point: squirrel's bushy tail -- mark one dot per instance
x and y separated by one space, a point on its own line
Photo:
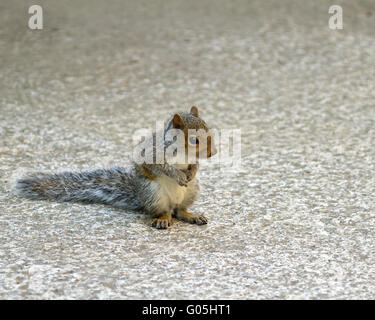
110 186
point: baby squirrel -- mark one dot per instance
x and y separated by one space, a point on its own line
160 189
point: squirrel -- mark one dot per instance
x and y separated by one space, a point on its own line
163 190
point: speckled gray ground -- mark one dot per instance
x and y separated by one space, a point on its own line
296 222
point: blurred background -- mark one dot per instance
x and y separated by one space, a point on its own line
297 221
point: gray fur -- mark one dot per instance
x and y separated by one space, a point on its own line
128 188
114 186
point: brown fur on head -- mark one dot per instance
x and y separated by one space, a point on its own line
204 145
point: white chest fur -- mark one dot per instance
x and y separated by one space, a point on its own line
170 193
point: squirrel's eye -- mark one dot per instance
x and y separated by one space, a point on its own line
193 140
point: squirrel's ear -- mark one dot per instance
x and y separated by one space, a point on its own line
178 122
194 111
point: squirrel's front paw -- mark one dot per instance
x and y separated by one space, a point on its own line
182 180
190 175
162 222
191 171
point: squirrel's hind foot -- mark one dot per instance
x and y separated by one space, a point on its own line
162 222
190 218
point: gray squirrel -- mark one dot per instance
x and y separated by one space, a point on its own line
164 190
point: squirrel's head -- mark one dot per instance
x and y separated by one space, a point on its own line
199 141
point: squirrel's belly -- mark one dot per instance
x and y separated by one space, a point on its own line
170 193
